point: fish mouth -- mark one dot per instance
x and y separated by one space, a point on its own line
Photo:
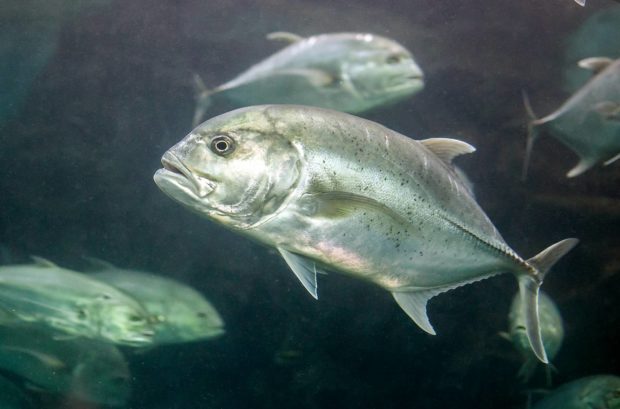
411 82
140 339
175 169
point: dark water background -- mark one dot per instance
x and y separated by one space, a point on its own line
76 169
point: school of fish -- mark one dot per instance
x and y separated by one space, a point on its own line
294 169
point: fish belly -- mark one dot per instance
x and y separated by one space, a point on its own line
396 254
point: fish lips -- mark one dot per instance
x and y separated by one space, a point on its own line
175 176
412 82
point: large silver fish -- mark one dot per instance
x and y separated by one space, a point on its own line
180 313
350 72
592 392
333 191
44 293
588 122
80 368
551 328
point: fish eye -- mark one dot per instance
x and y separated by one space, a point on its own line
222 145
201 314
395 58
135 318
81 314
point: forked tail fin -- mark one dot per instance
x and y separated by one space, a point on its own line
528 290
203 100
532 134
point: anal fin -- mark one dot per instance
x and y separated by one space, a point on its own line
414 301
414 304
304 268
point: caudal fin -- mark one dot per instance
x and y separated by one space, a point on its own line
529 286
203 100
532 134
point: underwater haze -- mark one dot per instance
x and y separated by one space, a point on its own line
95 92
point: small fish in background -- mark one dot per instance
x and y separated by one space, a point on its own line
331 191
551 329
71 302
592 392
350 72
588 122
599 34
83 369
12 397
179 313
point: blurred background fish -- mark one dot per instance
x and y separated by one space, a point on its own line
593 392
80 368
350 72
551 328
72 303
178 312
588 122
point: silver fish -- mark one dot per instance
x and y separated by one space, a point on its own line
592 392
333 191
551 328
180 313
85 369
44 293
588 122
350 72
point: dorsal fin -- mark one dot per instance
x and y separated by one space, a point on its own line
290 38
447 149
99 264
43 262
595 64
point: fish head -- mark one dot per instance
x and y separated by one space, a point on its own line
381 70
124 323
236 169
193 321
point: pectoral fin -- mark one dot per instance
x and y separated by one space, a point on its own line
284 36
304 268
609 110
334 205
612 160
315 77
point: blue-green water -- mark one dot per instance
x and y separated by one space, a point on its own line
88 127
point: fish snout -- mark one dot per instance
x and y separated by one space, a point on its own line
175 168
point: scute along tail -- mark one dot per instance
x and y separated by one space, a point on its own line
203 100
529 286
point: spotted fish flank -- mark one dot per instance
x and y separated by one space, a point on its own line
335 192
